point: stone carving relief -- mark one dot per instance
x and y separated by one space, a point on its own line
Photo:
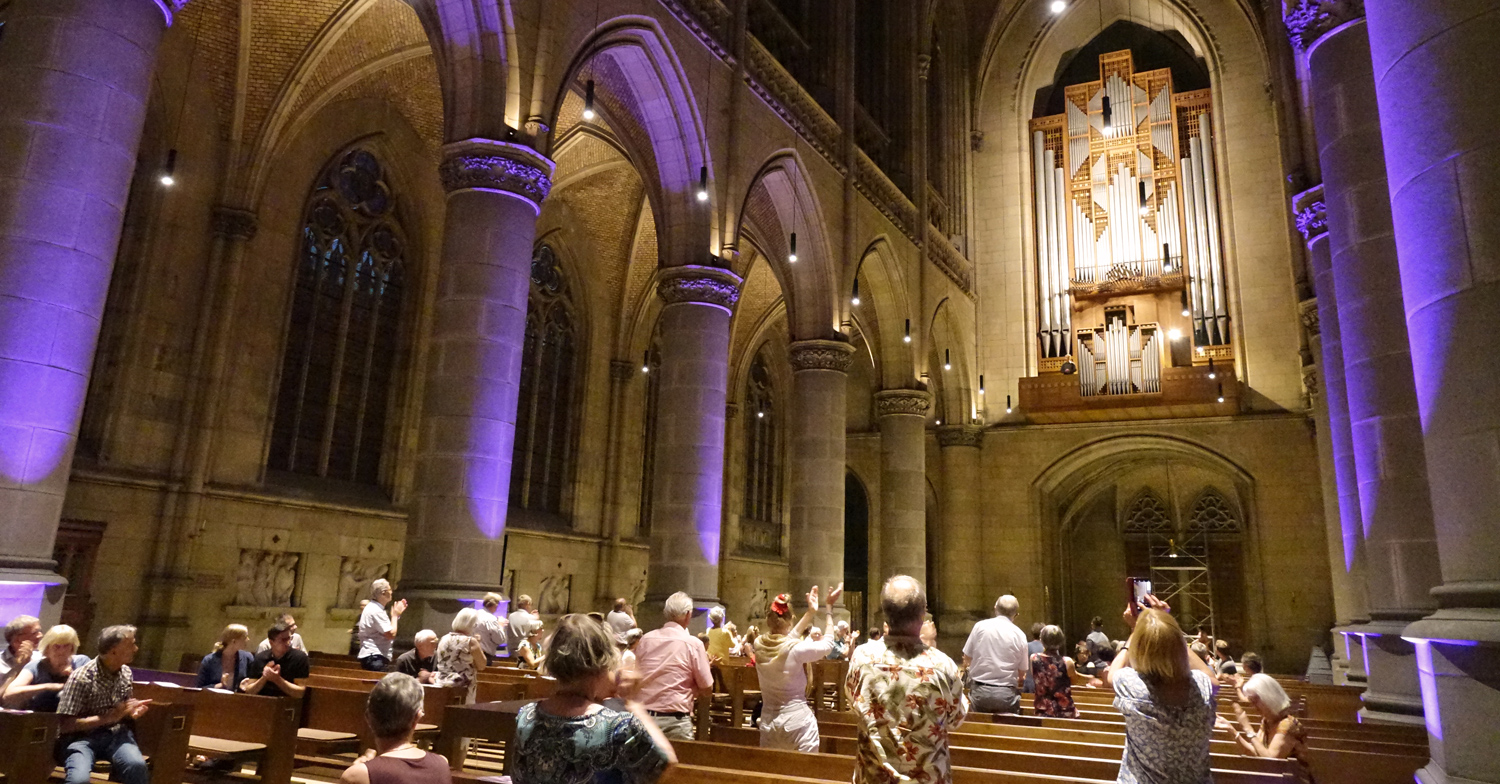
1312 213
902 402
1147 515
1212 513
496 166
266 578
355 576
1309 20
709 285
555 596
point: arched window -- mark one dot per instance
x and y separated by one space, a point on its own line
648 442
545 411
1147 514
1212 514
336 373
760 522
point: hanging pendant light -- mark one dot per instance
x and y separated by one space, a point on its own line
1145 207
1058 6
1221 393
947 365
1212 374
1166 257
854 300
981 385
169 172
1186 312
646 362
588 100
703 183
792 257
906 338
1007 404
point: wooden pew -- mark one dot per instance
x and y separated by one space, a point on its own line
28 739
163 733
241 727
489 721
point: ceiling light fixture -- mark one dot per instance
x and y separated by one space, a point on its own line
588 100
169 174
854 300
792 257
703 183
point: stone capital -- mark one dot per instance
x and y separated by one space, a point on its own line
696 284
496 167
960 435
1310 382
1308 310
902 402
169 8
234 224
820 355
1312 214
1309 20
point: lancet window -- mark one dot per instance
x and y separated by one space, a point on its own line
648 443
543 457
760 522
333 404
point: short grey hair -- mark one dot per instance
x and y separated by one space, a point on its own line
427 635
1265 688
114 635
1007 606
463 623
18 624
903 603
677 605
394 705
379 587
717 616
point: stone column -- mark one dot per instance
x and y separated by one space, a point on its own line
74 80
1395 505
455 538
816 449
688 487
1438 114
959 585
902 416
1312 221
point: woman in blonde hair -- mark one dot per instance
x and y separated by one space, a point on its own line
38 686
1167 697
229 663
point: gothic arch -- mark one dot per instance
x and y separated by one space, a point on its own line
883 312
780 201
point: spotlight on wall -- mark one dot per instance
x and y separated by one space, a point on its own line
703 183
1221 393
588 100
1212 374
1174 334
1058 6
646 362
1109 114
792 256
169 172
907 337
854 300
947 364
1007 404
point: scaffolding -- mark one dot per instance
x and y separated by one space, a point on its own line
1180 576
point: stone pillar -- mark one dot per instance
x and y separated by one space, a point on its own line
959 585
816 449
688 487
1395 505
455 538
1439 108
1312 221
74 80
902 415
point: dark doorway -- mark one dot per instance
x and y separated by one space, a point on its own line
856 551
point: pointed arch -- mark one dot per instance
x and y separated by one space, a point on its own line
780 201
883 312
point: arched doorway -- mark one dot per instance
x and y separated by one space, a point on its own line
856 551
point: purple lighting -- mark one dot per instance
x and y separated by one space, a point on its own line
1428 679
21 599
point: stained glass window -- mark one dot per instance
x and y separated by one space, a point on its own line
760 522
545 418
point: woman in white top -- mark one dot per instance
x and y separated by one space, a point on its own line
377 630
782 656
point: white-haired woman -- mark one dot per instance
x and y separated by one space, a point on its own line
1281 734
786 719
37 686
720 639
460 655
377 629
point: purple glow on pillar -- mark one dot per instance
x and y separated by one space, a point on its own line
1428 679
487 463
166 10
536 208
21 599
40 407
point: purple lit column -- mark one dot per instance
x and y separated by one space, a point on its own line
688 483
903 482
819 381
958 586
1434 62
454 540
1312 221
74 80
1401 557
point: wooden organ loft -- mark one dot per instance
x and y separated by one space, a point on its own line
1133 310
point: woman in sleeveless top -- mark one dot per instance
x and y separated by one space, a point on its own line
40 683
1281 734
393 711
1053 675
460 656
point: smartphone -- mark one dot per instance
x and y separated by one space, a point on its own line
1139 588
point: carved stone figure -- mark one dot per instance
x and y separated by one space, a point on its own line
355 576
265 578
556 593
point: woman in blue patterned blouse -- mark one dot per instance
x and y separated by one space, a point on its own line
591 731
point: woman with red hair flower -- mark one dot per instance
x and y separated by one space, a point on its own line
786 720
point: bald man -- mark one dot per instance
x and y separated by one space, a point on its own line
996 660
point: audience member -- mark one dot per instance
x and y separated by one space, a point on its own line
1222 661
928 634
1249 665
229 662
377 630
1167 697
39 683
1281 734
490 628
1053 674
97 708
995 659
418 662
843 640
720 639
393 711
22 634
622 617
459 659
786 720
1200 650
522 623
626 643
529 650
674 669
276 670
1097 640
575 735
290 622
1033 648
815 634
907 696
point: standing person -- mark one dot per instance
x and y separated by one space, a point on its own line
1281 734
996 660
459 657
96 705
907 696
39 683
622 618
529 651
393 711
575 735
22 634
1097 640
490 628
229 662
1033 648
290 622
276 670
674 669
522 623
1223 662
1167 697
418 662
1053 674
781 659
377 630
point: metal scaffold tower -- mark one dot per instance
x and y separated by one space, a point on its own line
1180 576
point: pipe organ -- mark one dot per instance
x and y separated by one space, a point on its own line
1128 241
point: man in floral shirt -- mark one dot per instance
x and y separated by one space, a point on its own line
908 696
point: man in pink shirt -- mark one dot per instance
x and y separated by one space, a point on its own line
673 665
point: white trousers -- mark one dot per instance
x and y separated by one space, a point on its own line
793 727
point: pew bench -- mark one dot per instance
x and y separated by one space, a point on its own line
243 728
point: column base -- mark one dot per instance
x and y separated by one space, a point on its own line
1393 694
1458 662
32 591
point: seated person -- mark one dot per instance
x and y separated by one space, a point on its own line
291 623
1223 662
276 670
394 708
229 662
529 651
1249 665
1280 734
418 662
38 685
97 707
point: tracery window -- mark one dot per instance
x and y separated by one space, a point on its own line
760 522
543 457
1147 514
337 367
1212 514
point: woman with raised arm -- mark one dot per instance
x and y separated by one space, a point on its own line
786 720
1280 735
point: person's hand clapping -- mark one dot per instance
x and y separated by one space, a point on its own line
833 595
1221 723
272 672
136 708
812 599
627 684
398 608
